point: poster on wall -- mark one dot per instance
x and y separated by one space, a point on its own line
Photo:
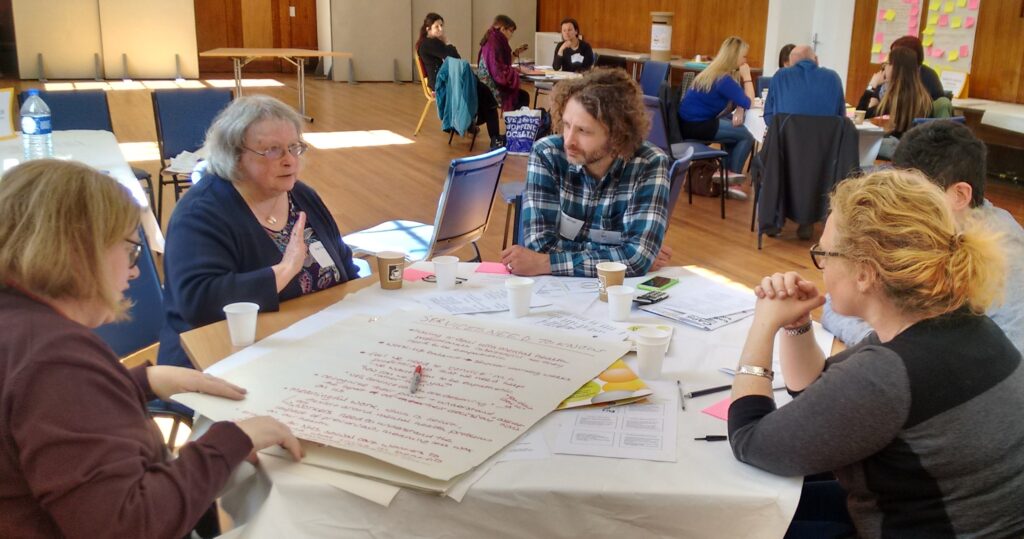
948 36
893 20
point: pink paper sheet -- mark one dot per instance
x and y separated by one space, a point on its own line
414 274
719 409
492 267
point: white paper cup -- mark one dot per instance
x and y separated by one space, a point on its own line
242 322
609 274
446 269
620 301
520 292
651 345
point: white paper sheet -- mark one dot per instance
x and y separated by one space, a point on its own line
530 446
707 299
581 325
375 491
474 302
556 287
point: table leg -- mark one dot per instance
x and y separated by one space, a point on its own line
238 76
300 66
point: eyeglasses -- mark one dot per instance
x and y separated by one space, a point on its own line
277 152
816 252
135 253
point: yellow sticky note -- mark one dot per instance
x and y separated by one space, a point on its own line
890 14
934 5
876 48
933 20
929 31
961 3
928 41
948 8
953 55
955 22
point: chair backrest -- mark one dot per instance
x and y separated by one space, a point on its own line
763 83
676 179
147 312
957 119
653 75
183 116
78 109
688 77
658 135
466 201
424 81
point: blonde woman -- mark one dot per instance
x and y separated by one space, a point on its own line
79 457
725 82
923 422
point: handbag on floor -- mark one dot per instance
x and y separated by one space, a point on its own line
521 128
703 178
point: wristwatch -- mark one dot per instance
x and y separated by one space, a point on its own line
756 371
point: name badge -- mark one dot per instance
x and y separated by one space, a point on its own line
576 58
320 254
569 227
605 237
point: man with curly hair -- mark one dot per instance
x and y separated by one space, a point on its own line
597 192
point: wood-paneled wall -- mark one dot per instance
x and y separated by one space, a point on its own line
699 26
254 23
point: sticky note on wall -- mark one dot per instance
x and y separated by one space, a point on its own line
973 4
944 20
937 52
927 41
948 8
961 3
877 47
890 14
955 22
879 37
964 51
953 56
969 22
934 5
933 19
881 14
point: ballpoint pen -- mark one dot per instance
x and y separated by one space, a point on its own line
707 391
682 398
416 379
714 438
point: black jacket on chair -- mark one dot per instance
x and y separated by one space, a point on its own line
803 158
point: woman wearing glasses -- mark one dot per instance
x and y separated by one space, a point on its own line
79 456
923 422
249 230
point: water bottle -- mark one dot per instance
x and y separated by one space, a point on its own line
35 127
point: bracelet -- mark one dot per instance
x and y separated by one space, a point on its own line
797 331
748 80
756 371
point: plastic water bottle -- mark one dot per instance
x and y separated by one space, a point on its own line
36 127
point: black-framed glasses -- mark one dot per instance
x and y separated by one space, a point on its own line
277 152
817 254
134 253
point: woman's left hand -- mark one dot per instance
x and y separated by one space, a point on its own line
738 116
520 49
786 298
166 381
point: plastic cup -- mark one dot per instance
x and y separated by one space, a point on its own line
446 269
609 274
764 94
858 116
520 292
620 301
651 346
242 322
390 267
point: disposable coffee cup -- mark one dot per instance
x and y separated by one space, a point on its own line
620 301
520 292
609 274
390 267
242 322
446 269
651 346
858 116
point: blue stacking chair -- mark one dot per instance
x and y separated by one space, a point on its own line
462 214
182 118
85 109
957 119
676 178
763 83
658 136
652 76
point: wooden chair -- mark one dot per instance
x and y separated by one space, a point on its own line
428 94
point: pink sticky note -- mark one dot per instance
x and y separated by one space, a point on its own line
912 28
414 274
937 52
492 267
969 22
719 409
879 37
944 20
964 51
881 58
973 4
914 12
913 2
881 14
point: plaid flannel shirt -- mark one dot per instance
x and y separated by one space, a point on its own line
631 199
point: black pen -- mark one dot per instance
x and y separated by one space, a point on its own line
714 438
708 391
682 398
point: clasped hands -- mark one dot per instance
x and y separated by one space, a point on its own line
785 300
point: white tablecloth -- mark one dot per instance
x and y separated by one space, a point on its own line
1008 116
869 143
706 493
99 150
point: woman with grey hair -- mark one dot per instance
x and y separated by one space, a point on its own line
249 230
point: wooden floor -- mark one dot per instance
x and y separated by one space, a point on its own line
366 185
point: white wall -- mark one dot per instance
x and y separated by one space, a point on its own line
150 33
323 31
376 32
789 21
458 24
801 21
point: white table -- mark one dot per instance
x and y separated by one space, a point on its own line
869 141
1008 116
99 150
706 493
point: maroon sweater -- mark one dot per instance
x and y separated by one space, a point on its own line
79 456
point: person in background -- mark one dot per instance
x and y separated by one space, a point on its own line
572 53
929 78
784 60
805 88
905 99
725 82
432 47
598 191
249 230
954 159
923 422
494 65
79 454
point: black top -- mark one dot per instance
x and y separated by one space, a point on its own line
566 62
931 82
432 53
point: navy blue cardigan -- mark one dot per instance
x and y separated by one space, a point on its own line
218 253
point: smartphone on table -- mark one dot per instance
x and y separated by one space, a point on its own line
657 283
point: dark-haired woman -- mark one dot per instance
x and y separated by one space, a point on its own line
572 53
494 65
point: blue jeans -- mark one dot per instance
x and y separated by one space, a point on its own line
737 141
